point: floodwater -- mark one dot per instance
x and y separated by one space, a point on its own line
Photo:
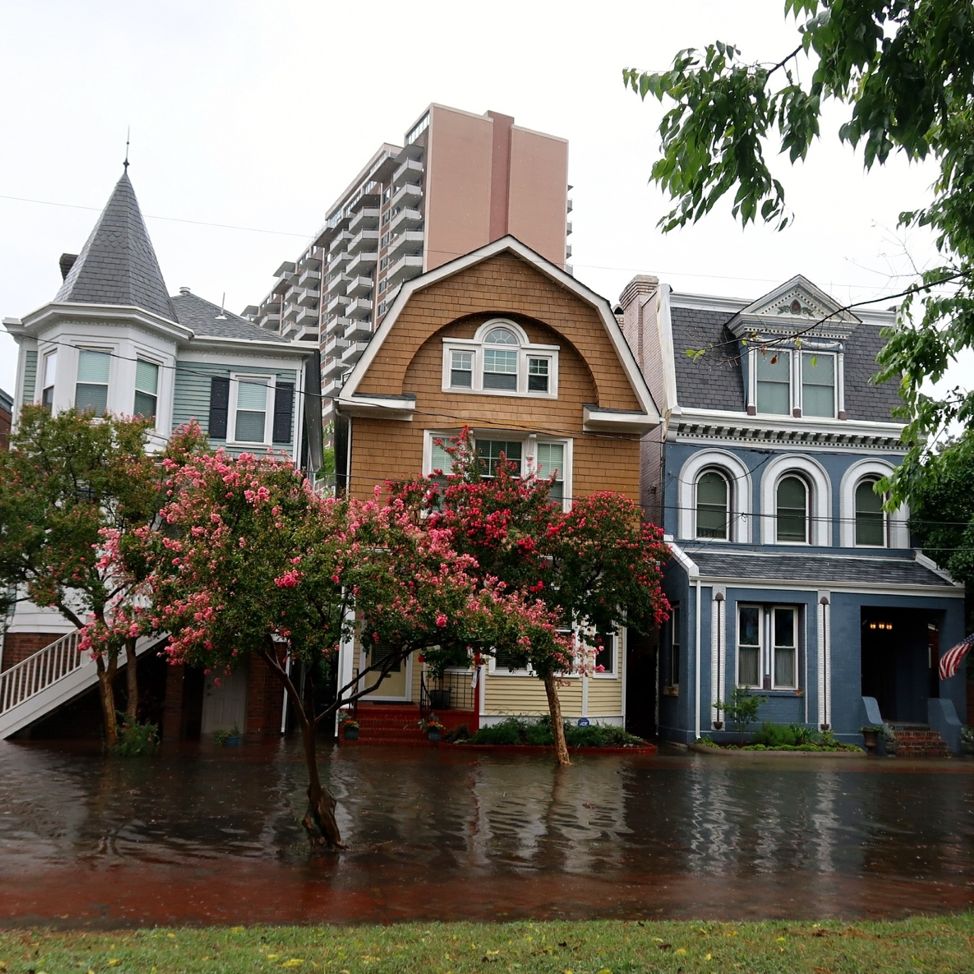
207 835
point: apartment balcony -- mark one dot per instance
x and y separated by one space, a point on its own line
270 320
365 219
309 299
362 263
337 260
357 330
359 287
406 219
334 325
411 169
333 346
331 389
307 317
310 260
293 294
307 334
364 240
336 284
407 242
407 194
353 353
311 277
291 312
336 305
365 200
251 312
360 308
568 251
568 228
569 206
285 270
404 269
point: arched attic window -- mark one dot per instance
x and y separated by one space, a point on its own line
870 517
713 509
791 510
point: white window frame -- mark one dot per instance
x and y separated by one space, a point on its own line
160 365
674 648
526 351
235 379
796 384
46 359
728 505
529 453
767 676
780 353
615 646
111 352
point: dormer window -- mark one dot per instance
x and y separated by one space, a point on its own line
500 361
789 382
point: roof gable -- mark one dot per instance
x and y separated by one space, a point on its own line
795 307
513 247
118 265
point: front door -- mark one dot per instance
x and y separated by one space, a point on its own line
397 683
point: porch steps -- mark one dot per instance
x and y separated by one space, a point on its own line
398 724
919 741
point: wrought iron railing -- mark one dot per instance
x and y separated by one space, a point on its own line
454 690
36 673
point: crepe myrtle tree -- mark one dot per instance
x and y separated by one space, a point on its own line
903 73
254 563
595 568
66 480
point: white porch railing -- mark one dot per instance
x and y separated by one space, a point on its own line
35 674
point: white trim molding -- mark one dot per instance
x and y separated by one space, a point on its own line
819 501
897 528
739 496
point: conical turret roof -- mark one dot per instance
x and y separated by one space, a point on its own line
117 264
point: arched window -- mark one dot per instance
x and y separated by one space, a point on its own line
500 360
870 519
792 510
712 506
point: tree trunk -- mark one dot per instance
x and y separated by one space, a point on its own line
131 683
106 695
319 819
557 725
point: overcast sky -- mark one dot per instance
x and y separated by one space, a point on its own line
248 118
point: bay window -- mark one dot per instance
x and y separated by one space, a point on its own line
91 389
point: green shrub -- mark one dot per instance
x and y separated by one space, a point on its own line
515 730
136 740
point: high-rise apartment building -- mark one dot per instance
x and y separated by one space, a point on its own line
457 182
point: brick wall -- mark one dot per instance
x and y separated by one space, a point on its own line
18 646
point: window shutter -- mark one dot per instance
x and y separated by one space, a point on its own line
219 407
283 408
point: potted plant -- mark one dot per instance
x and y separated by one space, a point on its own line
433 727
888 739
870 736
228 738
967 739
348 725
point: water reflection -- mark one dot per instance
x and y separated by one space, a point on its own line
213 835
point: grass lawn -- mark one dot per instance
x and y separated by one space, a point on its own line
938 944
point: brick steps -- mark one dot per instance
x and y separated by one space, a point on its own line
919 742
398 724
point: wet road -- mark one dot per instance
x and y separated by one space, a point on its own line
211 835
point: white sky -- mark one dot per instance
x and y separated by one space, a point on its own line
257 114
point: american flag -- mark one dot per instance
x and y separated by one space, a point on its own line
951 660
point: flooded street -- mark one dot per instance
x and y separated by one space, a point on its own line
211 835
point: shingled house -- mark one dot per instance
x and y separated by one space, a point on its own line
788 577
113 340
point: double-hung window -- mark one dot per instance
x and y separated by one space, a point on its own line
250 412
500 360
774 382
146 388
48 379
91 390
792 510
546 459
870 518
712 507
818 384
674 647
767 647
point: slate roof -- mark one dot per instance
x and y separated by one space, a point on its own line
117 264
715 381
819 569
208 321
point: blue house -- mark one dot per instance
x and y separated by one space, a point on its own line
787 576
